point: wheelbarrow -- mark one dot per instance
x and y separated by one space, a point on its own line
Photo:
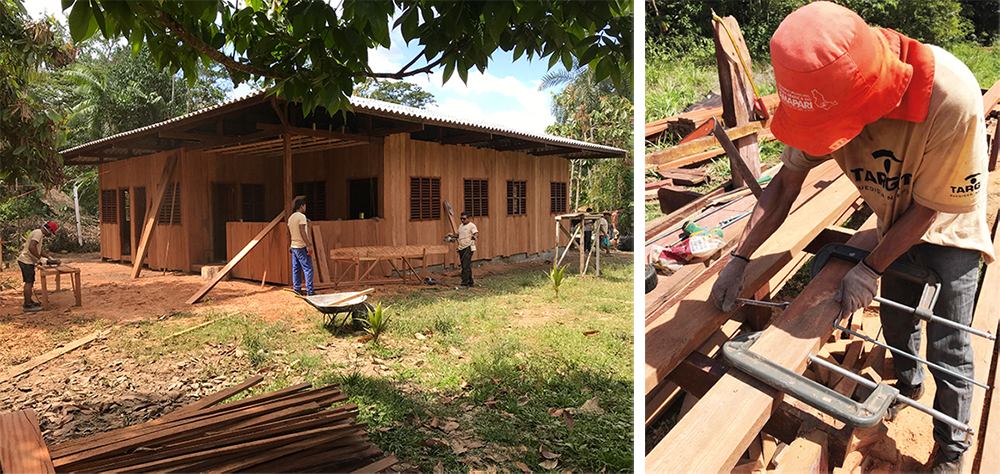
351 304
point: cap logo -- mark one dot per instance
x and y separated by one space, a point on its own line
821 101
795 100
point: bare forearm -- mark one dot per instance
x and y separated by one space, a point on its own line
903 234
768 215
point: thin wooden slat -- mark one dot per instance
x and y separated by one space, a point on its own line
153 212
991 97
742 404
378 466
37 361
22 448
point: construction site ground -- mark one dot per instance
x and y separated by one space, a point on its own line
493 378
909 444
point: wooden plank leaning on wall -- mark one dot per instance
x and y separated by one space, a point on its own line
153 211
243 253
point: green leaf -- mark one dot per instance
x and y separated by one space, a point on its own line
79 20
449 69
99 16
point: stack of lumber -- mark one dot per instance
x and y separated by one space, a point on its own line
289 430
682 124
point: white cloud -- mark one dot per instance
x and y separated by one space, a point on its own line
531 121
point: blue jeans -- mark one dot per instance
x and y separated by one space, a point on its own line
302 261
950 348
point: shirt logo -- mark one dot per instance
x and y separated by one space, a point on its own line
969 187
882 182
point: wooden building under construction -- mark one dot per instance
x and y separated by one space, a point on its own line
374 176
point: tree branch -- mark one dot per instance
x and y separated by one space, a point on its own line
403 73
193 41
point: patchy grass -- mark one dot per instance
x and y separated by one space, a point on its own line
462 378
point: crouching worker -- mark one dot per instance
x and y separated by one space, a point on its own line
31 256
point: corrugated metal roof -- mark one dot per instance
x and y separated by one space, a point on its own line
379 107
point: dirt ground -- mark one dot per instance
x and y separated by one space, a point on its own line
92 390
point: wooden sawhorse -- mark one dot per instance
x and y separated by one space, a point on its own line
58 271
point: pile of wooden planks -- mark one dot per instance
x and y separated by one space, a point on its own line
289 430
682 124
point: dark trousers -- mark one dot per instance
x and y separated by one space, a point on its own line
948 347
465 256
586 240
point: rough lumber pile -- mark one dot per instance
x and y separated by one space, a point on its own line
289 430
682 124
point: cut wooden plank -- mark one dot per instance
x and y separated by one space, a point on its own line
985 359
37 361
232 263
662 157
991 97
660 224
378 466
830 234
806 455
153 212
672 198
731 54
22 448
673 332
192 328
742 404
322 257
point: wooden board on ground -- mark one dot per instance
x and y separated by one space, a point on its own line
35 362
22 448
737 407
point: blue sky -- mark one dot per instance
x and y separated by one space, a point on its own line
507 93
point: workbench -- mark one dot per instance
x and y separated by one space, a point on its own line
352 257
58 272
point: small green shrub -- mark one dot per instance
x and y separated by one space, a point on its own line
556 277
378 322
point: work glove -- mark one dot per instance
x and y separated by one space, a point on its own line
858 288
729 285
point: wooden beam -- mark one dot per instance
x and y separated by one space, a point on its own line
521 146
662 157
22 448
737 407
984 352
660 224
232 263
286 182
153 211
995 148
737 93
674 331
407 128
806 455
315 133
467 137
179 135
555 151
220 145
991 97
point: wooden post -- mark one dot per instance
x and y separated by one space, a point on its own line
147 228
995 150
580 245
287 174
737 93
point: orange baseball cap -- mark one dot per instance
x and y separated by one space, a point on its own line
834 75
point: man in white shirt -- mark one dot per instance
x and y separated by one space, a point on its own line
30 256
300 249
468 233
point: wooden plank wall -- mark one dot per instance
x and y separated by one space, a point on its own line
393 160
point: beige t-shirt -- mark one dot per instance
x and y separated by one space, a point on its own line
296 219
26 256
940 163
465 233
602 228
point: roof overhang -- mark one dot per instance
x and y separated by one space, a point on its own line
254 126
